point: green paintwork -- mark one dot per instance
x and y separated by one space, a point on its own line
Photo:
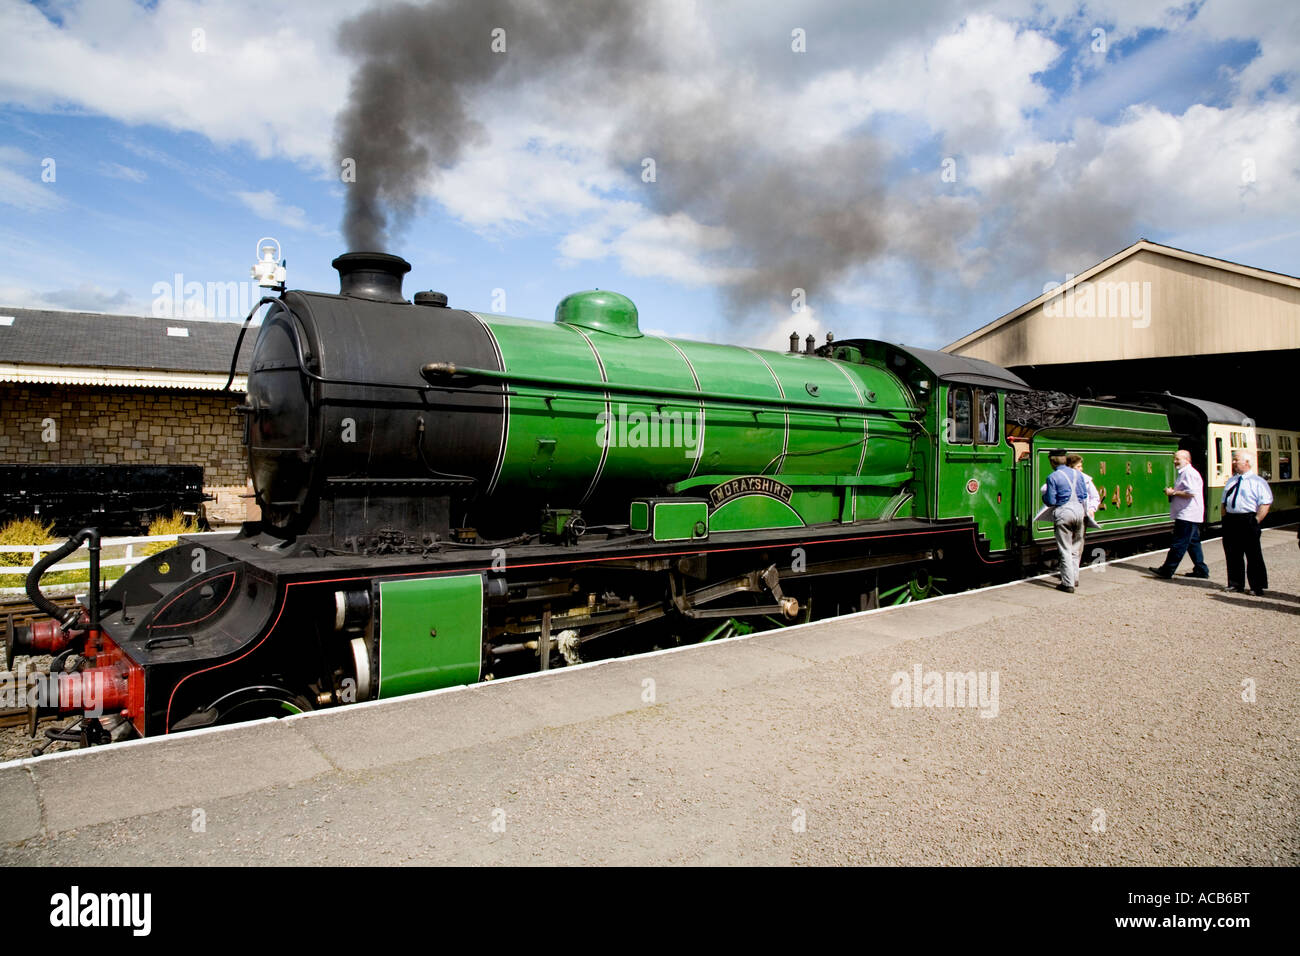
410 659
1105 416
1285 497
555 522
920 584
600 415
1213 504
601 310
969 479
1130 472
680 520
754 513
649 426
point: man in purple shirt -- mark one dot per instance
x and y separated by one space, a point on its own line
1187 508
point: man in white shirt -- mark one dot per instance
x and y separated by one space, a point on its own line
1187 508
1246 500
1093 501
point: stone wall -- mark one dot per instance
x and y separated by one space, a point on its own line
84 425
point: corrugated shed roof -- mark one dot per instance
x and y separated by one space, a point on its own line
96 340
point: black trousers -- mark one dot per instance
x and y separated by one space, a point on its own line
1241 545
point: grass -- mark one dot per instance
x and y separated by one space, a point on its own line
29 531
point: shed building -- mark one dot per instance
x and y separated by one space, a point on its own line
1156 318
87 388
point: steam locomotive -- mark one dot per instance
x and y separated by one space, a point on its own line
449 496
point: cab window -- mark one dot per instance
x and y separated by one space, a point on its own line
959 416
988 426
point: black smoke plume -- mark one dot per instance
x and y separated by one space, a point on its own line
408 115
798 216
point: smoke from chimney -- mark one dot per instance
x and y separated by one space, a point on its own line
407 115
798 217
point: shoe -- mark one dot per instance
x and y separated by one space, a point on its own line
1233 590
1161 573
1066 588
1193 574
1258 592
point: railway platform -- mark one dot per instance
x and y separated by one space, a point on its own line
1137 721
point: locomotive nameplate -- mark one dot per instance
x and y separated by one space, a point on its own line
749 485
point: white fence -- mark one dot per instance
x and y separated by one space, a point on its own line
129 559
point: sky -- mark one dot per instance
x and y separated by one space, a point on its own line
741 170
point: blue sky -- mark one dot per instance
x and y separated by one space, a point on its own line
174 151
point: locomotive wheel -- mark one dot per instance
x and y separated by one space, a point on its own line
247 703
920 584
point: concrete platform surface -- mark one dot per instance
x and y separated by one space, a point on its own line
1137 721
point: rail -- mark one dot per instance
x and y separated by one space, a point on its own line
131 548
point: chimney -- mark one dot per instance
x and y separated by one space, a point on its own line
371 275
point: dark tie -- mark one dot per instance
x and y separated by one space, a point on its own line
1236 490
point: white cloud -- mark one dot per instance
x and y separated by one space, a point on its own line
771 330
525 176
118 171
974 85
84 297
268 206
22 186
238 72
673 247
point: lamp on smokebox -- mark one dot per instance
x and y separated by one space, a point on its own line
269 269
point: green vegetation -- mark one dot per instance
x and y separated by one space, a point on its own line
177 523
30 531
27 531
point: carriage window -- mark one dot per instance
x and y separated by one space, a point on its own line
1283 466
988 417
1265 441
1284 442
1218 452
1266 465
959 416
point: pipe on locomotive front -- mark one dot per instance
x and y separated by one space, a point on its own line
66 618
